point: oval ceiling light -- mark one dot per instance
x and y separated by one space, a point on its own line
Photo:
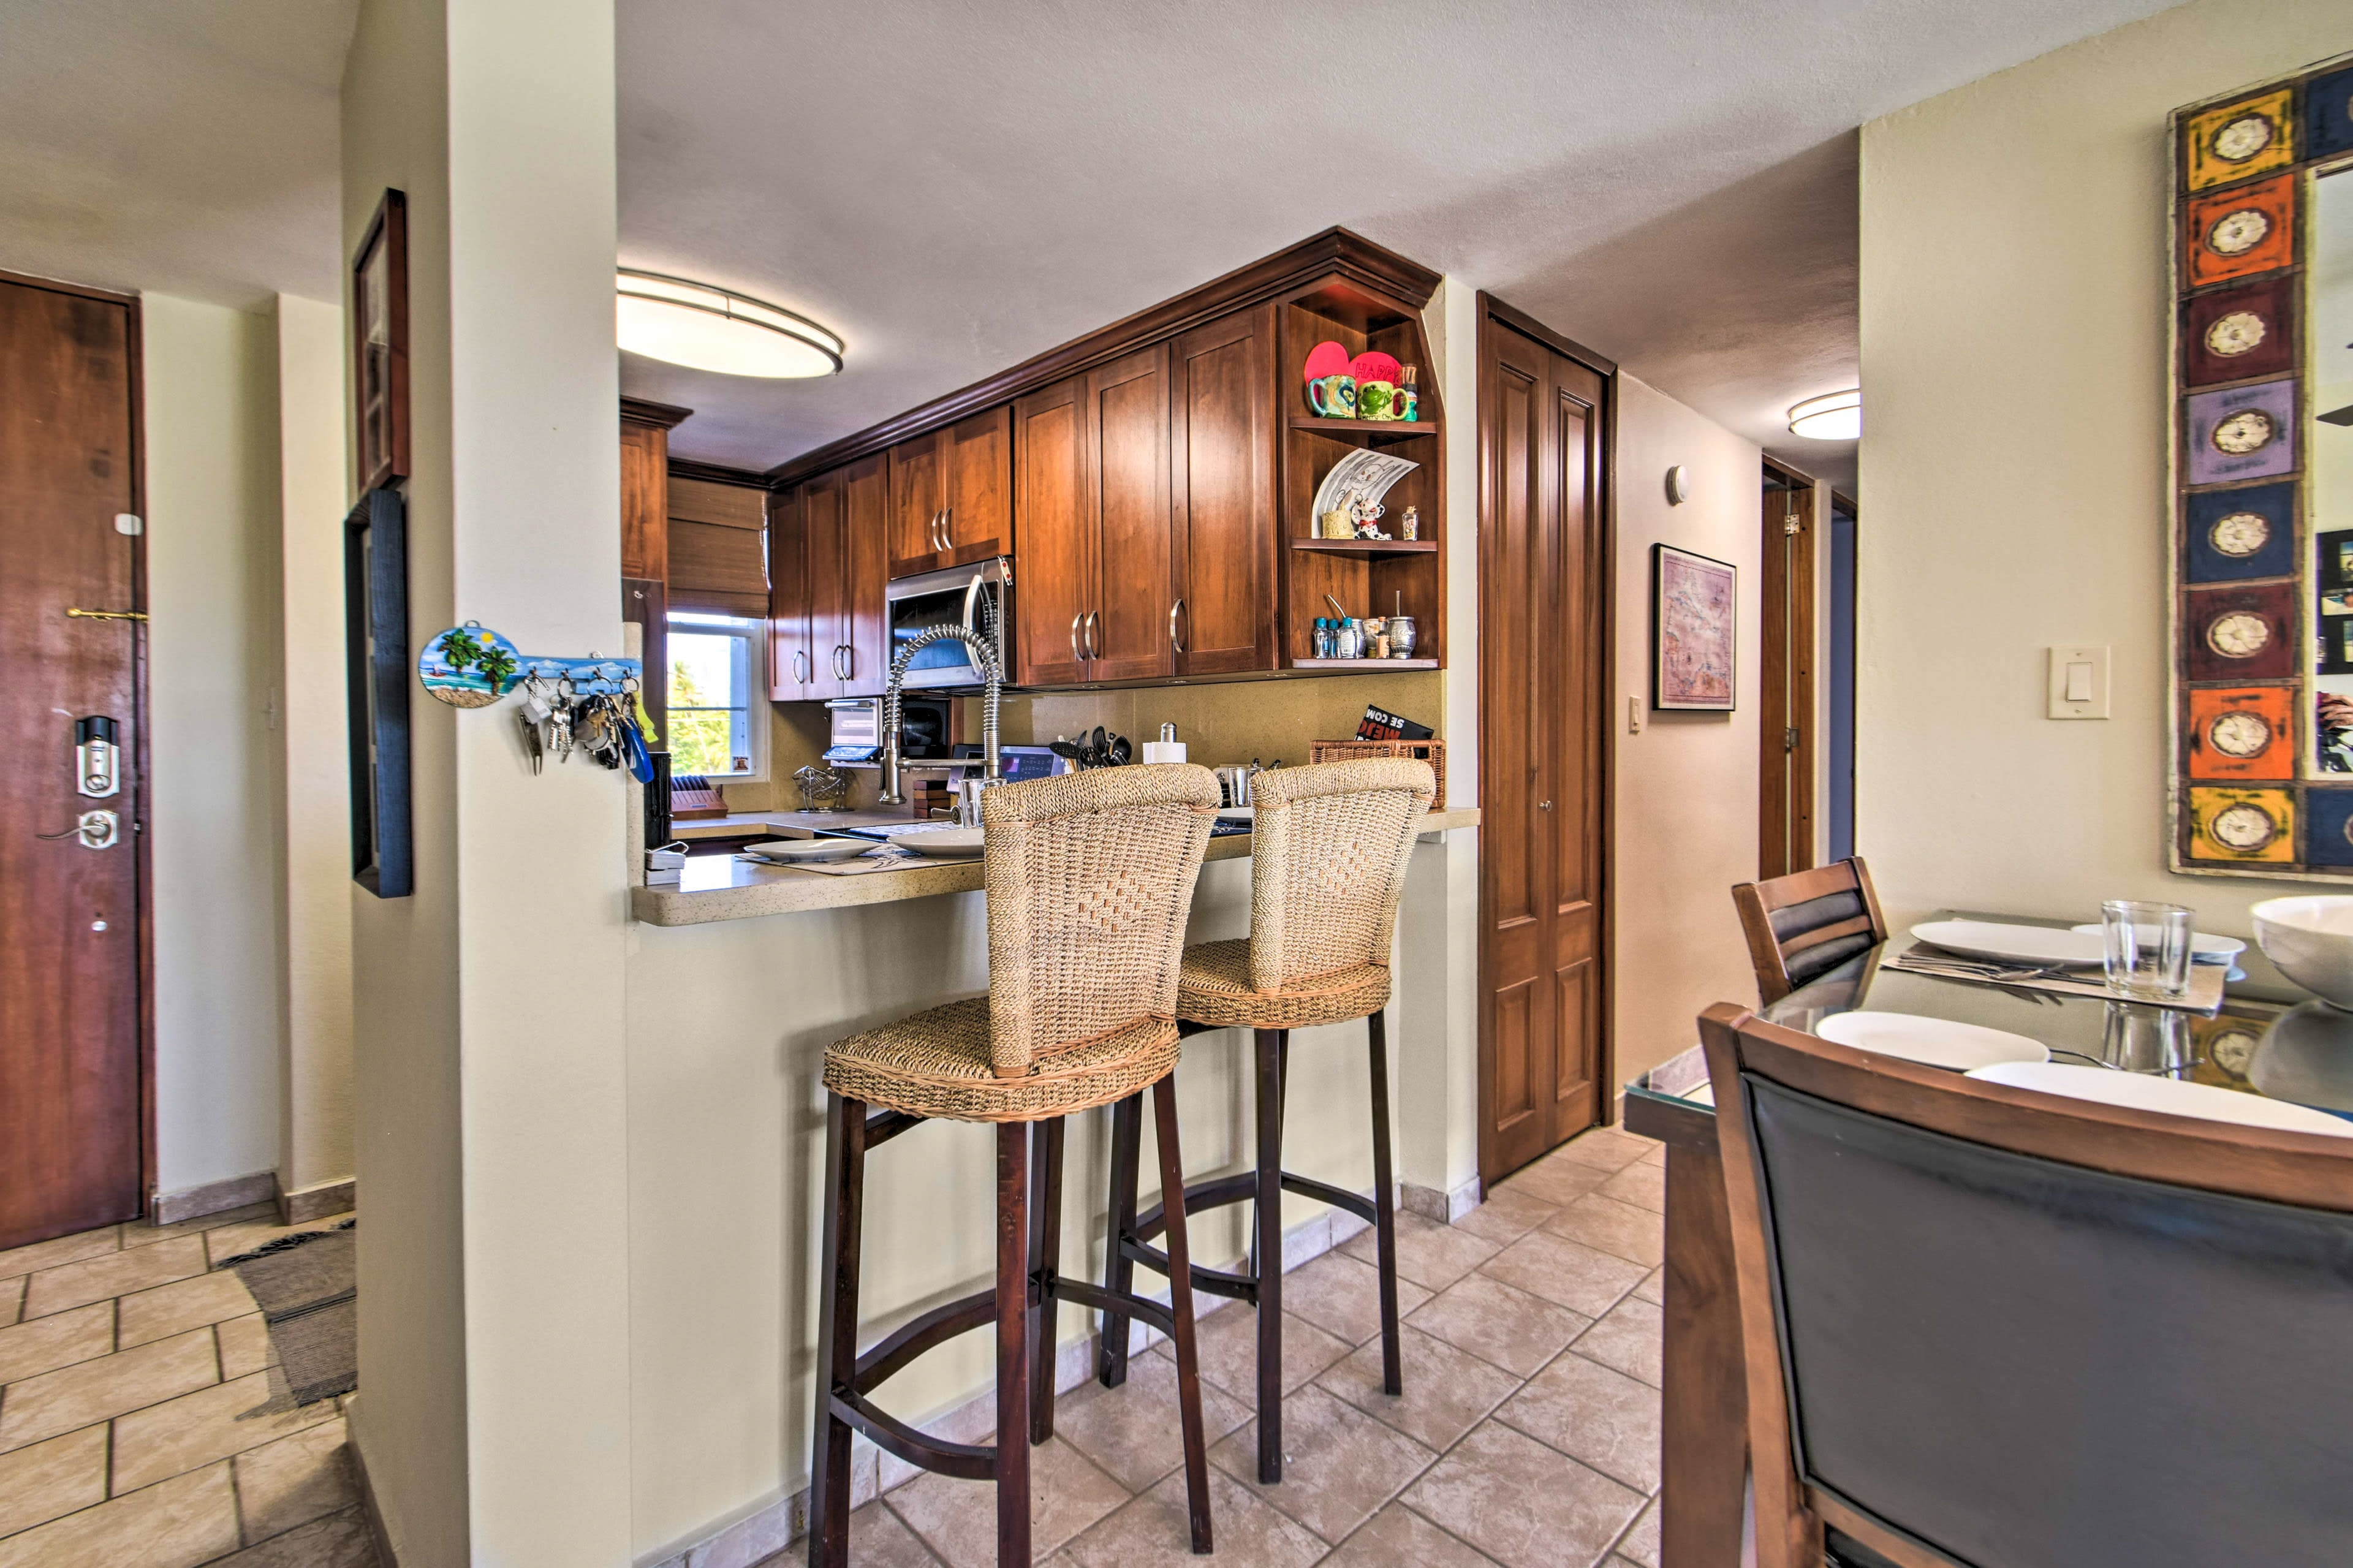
1835 417
706 328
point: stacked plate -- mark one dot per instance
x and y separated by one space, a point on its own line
1931 1042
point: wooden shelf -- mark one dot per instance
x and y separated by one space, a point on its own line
1364 664
1367 546
1379 429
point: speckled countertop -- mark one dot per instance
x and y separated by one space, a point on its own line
723 888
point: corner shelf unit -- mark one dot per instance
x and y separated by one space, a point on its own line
1370 576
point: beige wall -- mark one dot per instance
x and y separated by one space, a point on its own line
315 1113
211 417
2014 298
1685 786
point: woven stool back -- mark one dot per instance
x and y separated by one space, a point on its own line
1089 880
1328 855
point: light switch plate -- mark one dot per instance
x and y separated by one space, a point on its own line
2079 682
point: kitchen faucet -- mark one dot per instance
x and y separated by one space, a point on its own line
984 657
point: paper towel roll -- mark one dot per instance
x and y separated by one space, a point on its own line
1164 751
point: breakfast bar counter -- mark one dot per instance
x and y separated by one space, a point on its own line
716 888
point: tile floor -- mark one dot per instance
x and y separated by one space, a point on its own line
127 1368
1527 1436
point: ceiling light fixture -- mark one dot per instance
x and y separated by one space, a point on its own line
1837 416
706 328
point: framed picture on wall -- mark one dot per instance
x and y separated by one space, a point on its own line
1693 621
380 346
376 669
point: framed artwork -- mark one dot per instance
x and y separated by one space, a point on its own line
380 346
2261 455
1692 623
375 670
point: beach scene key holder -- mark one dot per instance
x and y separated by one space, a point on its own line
570 704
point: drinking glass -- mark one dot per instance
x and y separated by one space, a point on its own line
2147 1039
2147 952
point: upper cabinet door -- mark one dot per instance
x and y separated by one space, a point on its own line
977 470
1222 531
918 505
1053 575
644 500
825 574
793 663
866 521
1127 636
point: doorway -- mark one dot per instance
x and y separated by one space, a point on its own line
1544 671
1788 746
1838 811
76 1145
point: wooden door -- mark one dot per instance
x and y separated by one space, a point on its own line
1053 571
915 504
865 519
1222 528
1542 629
72 918
977 474
793 662
1784 795
825 546
1126 633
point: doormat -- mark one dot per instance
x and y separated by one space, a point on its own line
307 1286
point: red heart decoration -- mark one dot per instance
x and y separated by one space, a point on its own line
1326 358
1374 366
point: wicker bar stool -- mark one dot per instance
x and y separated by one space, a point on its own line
1089 879
1328 863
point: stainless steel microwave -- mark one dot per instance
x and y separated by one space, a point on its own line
979 597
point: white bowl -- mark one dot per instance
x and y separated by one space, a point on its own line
2311 941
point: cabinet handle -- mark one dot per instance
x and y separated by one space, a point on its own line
1173 609
1095 624
948 528
1076 657
801 667
849 661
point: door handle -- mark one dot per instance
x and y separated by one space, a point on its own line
1543 806
948 528
1173 609
1076 657
801 667
849 661
96 829
1095 624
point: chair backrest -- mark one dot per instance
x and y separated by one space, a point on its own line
1804 924
1991 1327
1089 879
1328 853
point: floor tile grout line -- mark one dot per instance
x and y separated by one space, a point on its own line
219 1381
1442 1530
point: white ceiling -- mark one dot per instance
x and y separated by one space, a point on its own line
956 184
184 147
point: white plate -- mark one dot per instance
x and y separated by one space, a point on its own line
941 841
2012 944
800 852
2140 1092
1932 1042
2204 949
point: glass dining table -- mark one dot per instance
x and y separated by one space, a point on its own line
2272 1040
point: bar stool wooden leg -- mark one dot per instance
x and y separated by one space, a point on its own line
1045 1261
837 1334
1267 1250
1119 1270
1385 1205
1012 1346
1180 1306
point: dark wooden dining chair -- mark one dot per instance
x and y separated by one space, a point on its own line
1809 922
1993 1328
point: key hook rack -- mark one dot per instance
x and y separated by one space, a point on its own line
473 666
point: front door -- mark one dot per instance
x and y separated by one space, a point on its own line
1543 662
71 1078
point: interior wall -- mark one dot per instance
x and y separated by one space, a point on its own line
315 1139
210 379
2014 299
1685 787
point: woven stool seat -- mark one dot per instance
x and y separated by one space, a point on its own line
1214 988
936 1063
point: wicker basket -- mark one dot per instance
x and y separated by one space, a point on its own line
1430 752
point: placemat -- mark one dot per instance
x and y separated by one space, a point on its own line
2205 994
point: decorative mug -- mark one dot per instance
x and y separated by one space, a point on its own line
1333 396
1377 400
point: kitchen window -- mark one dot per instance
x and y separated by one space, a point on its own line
718 721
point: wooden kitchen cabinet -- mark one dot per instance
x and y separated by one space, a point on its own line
1222 529
952 495
828 631
1054 575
